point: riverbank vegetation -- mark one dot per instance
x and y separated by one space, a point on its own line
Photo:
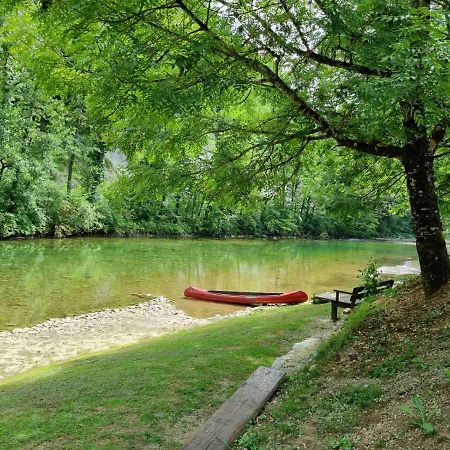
381 382
58 178
149 395
285 118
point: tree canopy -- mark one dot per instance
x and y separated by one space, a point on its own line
227 95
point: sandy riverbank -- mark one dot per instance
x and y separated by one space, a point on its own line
63 338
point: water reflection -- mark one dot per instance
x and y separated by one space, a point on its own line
49 278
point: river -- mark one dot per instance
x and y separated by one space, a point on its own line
45 278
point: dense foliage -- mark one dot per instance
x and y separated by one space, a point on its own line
232 106
177 216
52 179
361 198
54 165
46 150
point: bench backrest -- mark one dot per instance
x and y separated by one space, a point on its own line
361 292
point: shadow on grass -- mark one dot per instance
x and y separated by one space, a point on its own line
147 394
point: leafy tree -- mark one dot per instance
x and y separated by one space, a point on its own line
43 157
240 89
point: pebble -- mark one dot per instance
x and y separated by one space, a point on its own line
58 339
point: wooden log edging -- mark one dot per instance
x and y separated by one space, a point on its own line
225 425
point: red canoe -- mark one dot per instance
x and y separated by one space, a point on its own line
246 298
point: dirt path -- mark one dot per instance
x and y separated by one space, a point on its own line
63 338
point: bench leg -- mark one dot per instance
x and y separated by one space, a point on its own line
334 309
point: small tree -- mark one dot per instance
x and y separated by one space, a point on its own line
370 277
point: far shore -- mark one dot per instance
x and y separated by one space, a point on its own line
406 239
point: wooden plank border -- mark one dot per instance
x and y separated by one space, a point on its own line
225 425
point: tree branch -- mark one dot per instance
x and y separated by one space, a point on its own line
319 58
374 193
134 18
296 24
438 134
370 147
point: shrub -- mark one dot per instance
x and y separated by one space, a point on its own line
370 277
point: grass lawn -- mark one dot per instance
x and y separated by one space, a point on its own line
149 395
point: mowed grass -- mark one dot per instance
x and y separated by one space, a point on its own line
149 395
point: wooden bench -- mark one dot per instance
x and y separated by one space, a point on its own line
345 299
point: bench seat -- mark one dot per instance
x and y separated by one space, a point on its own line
344 299
323 297
326 297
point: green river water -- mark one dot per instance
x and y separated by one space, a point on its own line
47 278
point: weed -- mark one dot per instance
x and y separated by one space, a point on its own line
391 293
445 334
249 441
398 363
420 415
360 396
370 277
343 443
380 350
335 417
379 443
287 427
340 412
433 314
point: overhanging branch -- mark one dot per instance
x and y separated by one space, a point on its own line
317 57
371 147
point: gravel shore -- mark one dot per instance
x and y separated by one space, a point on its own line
63 338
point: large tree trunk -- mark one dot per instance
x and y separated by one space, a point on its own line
430 242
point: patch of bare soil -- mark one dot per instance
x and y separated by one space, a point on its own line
405 348
399 356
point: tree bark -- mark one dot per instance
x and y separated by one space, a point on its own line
70 172
430 242
3 166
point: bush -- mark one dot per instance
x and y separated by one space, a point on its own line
8 225
72 215
370 277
